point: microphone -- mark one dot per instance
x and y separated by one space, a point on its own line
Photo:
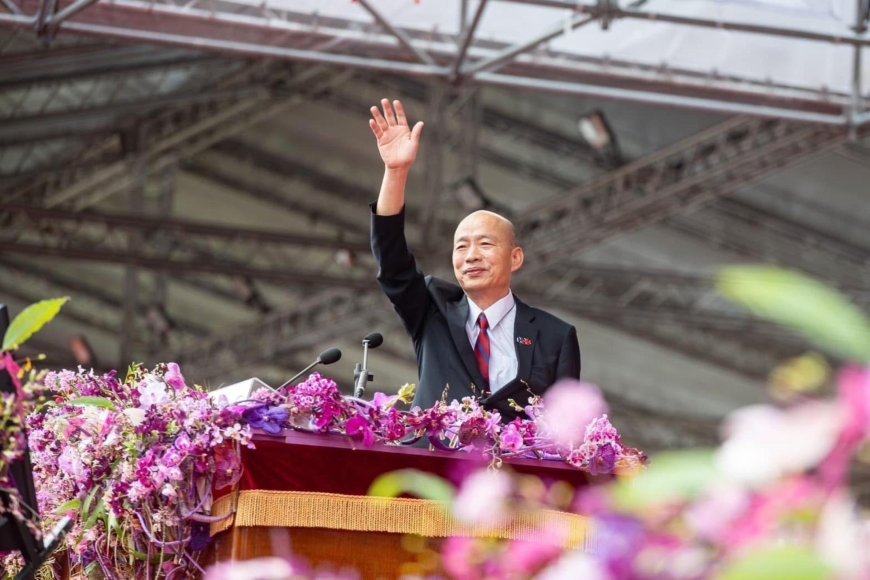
361 374
327 357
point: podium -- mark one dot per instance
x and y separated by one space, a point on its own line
305 494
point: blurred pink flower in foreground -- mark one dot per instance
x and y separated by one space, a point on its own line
854 394
569 407
765 443
483 498
259 569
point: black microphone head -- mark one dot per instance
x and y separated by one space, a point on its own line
374 339
329 356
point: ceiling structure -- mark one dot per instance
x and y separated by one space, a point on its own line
196 176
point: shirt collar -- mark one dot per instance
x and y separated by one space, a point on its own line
495 313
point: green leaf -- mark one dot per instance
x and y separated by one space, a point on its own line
86 506
789 562
413 482
671 476
94 402
807 306
30 320
71 505
97 514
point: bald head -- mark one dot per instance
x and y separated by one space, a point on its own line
492 221
485 256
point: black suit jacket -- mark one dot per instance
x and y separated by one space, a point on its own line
434 313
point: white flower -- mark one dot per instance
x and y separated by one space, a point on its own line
765 443
134 415
152 391
574 565
168 490
842 538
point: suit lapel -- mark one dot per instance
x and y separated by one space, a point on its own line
525 338
457 315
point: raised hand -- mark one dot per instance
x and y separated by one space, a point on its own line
397 142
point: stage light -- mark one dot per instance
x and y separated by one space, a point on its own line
595 131
345 258
82 352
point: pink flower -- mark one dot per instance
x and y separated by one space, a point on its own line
853 389
458 556
483 498
173 377
569 407
358 428
511 440
527 557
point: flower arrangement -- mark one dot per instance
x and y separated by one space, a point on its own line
135 460
316 404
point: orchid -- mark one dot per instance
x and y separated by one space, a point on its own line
133 459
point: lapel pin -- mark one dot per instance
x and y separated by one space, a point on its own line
524 341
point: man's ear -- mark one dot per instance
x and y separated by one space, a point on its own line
517 258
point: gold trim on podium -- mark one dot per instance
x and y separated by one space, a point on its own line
420 517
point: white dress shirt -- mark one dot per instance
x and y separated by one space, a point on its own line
502 352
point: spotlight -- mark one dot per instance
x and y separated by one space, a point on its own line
345 258
82 352
597 133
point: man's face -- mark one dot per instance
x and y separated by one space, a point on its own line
484 255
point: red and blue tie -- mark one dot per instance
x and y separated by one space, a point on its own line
481 349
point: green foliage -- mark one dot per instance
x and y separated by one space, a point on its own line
672 476
71 505
30 320
790 562
820 314
94 402
414 482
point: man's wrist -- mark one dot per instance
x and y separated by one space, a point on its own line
401 171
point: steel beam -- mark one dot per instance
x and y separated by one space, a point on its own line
685 176
403 39
752 232
267 30
177 230
467 36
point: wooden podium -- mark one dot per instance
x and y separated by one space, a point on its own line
305 494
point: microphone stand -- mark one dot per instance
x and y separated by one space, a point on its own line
361 374
300 373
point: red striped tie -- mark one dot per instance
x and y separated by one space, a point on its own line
481 349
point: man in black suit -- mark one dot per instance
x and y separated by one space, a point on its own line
476 338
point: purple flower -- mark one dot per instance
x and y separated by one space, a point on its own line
173 377
358 428
473 431
603 461
269 419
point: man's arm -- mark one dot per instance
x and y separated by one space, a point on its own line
398 276
569 357
398 146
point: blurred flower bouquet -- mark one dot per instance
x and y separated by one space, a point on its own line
773 501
